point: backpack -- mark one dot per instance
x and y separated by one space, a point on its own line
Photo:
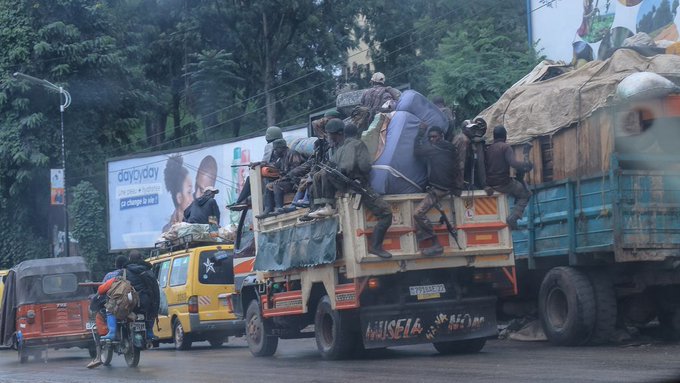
123 298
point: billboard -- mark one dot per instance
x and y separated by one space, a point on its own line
148 193
559 27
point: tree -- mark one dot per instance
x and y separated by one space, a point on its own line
478 61
211 82
89 226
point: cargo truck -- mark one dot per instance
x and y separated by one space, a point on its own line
298 279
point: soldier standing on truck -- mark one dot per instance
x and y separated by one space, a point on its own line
353 160
442 169
375 97
499 158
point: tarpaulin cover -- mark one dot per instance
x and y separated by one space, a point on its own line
542 108
418 105
302 245
398 157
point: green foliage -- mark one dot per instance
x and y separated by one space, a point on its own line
87 213
161 74
477 62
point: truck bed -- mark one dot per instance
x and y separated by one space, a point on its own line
631 214
482 234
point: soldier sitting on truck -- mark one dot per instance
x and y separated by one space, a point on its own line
440 157
499 158
353 161
285 160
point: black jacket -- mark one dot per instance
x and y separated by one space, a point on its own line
441 160
145 283
499 158
200 209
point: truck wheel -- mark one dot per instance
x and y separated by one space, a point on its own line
182 339
566 304
469 346
257 328
670 324
605 308
333 330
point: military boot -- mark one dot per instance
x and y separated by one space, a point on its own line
376 246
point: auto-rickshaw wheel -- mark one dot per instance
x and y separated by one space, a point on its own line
23 354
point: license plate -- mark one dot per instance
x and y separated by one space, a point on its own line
428 296
139 326
427 290
90 326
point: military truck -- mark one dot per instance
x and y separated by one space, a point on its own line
298 279
599 244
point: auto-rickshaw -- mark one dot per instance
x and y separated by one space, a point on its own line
43 307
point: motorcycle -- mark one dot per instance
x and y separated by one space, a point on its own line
130 341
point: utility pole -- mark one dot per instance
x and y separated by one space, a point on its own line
64 102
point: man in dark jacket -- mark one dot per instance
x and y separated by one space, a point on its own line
354 161
376 96
203 208
499 158
440 157
142 278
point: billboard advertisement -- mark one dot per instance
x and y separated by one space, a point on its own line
560 27
148 194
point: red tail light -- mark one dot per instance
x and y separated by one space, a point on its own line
193 304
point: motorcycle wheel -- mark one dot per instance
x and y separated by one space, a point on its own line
132 355
106 354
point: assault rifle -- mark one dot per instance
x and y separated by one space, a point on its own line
443 218
354 185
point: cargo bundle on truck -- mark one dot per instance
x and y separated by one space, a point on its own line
297 278
599 243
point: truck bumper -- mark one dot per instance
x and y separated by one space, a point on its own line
230 327
428 322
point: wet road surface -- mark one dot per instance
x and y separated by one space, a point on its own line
297 361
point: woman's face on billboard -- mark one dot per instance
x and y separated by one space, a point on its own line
185 196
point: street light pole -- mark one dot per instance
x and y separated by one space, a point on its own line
64 102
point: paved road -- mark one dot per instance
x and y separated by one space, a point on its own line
296 361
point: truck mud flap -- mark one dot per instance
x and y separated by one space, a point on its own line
428 321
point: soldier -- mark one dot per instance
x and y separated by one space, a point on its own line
376 96
354 162
499 158
440 156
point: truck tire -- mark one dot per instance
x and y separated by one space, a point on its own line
469 346
566 305
335 338
605 308
259 343
670 324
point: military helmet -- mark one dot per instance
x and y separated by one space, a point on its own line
273 133
335 125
